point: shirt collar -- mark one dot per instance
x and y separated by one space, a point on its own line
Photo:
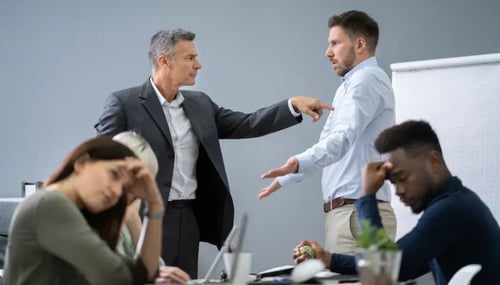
371 61
177 102
453 184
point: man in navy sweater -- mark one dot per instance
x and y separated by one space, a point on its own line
456 227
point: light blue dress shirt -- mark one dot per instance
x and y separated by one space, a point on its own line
364 106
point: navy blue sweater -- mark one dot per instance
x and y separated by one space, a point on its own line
455 229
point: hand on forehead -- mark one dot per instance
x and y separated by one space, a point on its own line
126 169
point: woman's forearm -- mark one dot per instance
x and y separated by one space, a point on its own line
151 249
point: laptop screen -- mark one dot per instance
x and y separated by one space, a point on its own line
225 247
239 245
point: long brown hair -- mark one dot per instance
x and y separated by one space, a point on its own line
107 223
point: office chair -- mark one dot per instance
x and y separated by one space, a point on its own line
464 275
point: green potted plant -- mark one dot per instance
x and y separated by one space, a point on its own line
377 257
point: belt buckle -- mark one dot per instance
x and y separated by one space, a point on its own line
342 202
334 204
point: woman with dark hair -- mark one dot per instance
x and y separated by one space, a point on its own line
68 233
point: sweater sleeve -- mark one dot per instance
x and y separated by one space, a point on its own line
63 231
367 208
343 264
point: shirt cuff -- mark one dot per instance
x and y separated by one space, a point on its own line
289 179
305 165
292 110
343 264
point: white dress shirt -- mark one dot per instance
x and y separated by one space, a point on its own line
364 106
186 147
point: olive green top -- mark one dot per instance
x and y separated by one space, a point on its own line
50 242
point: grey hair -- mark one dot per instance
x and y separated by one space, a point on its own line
140 147
163 42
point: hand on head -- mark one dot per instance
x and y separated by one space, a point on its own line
319 253
171 274
373 176
142 183
310 106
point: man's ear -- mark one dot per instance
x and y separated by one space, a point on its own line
435 158
78 164
360 45
163 60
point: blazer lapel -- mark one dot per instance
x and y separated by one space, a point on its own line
154 109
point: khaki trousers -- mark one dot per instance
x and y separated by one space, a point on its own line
342 227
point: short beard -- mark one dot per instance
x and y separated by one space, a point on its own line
348 63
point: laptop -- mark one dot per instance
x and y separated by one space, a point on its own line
238 247
226 247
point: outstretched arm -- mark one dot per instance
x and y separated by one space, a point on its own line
312 107
291 166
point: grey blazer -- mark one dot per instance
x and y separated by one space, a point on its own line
138 109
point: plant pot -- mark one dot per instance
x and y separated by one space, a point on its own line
378 267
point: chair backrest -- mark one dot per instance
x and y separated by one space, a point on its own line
465 274
7 208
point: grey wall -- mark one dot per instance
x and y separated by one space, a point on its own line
59 59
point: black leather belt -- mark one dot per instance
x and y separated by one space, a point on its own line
180 203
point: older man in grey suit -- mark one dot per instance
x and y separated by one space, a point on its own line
184 128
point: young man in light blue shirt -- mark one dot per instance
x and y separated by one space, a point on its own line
364 104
